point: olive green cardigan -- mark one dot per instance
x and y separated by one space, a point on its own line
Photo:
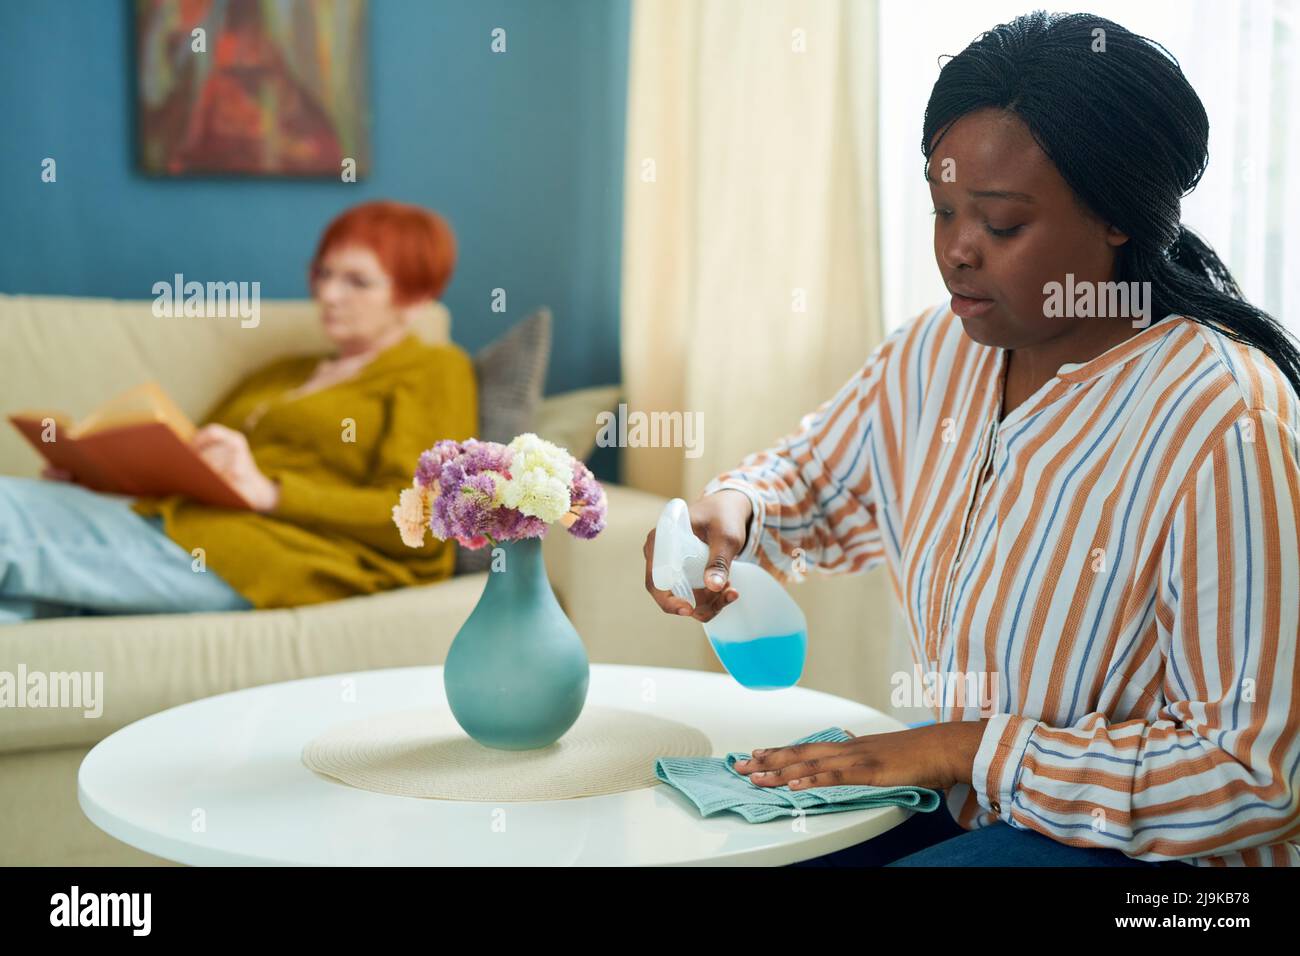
341 455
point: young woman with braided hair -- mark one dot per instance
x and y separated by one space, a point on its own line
1099 513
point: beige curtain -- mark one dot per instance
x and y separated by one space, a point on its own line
751 285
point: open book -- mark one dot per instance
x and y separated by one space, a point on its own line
135 444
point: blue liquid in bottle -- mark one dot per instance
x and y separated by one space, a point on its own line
765 663
761 638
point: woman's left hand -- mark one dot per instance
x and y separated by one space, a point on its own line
937 756
227 451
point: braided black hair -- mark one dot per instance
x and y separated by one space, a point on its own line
1130 136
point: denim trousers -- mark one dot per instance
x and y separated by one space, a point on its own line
67 551
935 839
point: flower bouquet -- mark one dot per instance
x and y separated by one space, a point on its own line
481 493
516 674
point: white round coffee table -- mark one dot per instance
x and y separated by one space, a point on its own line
220 781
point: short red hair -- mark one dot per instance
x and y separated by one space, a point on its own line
416 246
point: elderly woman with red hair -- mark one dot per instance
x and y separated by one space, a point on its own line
319 446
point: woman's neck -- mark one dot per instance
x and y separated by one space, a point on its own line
1029 368
359 353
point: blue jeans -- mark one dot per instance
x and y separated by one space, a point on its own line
65 550
935 839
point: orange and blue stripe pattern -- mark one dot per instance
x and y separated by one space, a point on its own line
1118 556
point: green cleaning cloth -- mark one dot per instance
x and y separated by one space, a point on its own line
714 784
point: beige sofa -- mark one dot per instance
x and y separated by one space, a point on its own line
68 354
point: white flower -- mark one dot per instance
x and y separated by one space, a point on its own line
532 452
535 492
542 474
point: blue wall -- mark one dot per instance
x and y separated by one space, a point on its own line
522 152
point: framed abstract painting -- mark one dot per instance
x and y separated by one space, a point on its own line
253 87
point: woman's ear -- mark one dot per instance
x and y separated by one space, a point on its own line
1115 236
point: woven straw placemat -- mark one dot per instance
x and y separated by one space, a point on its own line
425 753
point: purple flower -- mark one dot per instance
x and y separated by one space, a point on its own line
589 503
428 469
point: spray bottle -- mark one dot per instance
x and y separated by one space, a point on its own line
761 637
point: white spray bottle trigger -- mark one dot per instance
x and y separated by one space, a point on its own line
679 556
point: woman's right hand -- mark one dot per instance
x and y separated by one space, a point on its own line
227 452
720 520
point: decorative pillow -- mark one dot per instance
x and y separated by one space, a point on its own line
511 373
569 419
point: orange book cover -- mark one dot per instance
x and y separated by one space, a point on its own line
135 444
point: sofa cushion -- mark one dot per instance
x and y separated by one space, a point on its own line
511 373
152 662
120 343
569 419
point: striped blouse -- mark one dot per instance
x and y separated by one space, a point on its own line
1116 564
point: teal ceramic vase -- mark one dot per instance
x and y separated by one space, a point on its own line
516 675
